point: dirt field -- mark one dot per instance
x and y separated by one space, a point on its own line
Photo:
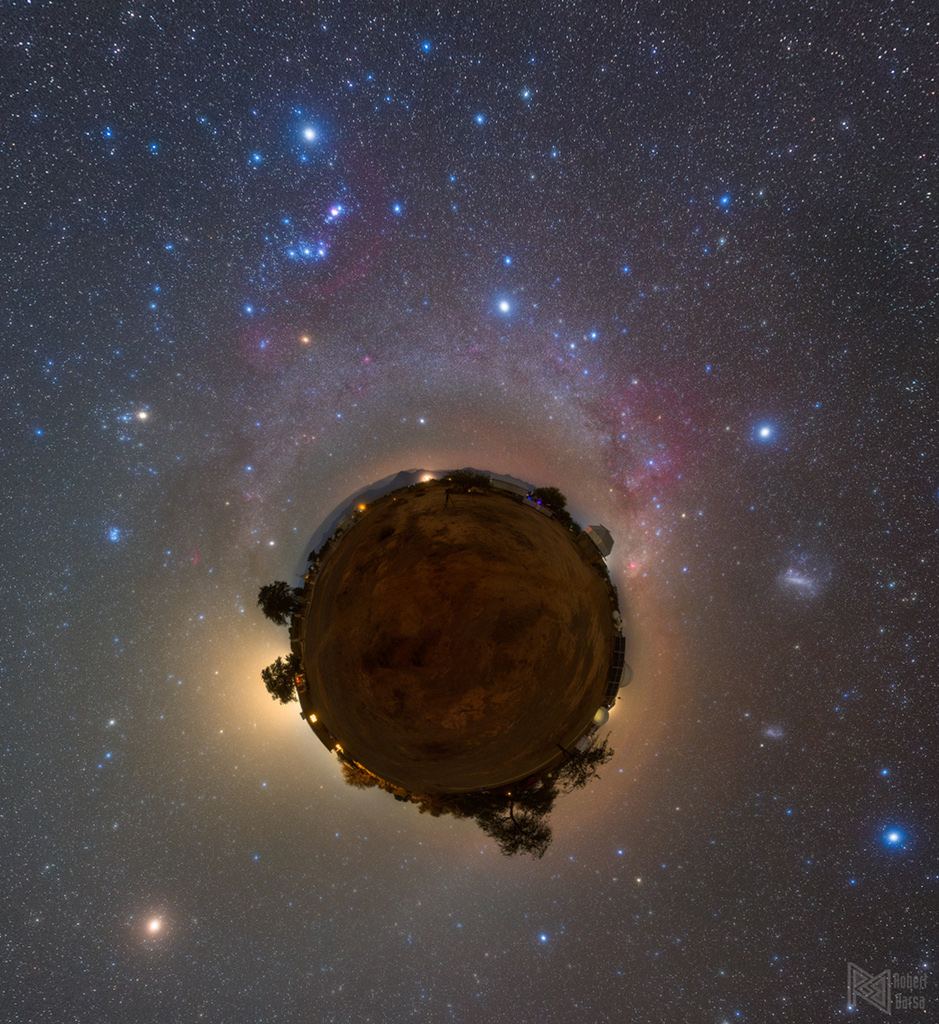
451 648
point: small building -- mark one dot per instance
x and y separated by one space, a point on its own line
617 659
588 549
602 537
322 733
614 679
507 487
584 743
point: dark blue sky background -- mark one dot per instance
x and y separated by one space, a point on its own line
678 261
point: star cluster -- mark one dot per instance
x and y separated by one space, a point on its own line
680 263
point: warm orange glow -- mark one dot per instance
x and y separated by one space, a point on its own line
305 338
154 925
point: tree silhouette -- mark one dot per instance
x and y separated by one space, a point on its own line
584 767
278 601
357 777
281 678
516 821
517 829
551 497
464 479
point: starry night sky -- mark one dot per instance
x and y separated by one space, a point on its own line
678 261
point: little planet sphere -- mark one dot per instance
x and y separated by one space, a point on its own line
454 639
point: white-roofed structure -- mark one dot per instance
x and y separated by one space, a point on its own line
507 487
602 537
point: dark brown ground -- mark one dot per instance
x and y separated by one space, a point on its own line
450 649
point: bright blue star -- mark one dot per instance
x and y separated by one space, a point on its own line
764 432
480 119
249 310
114 534
397 208
507 260
425 46
504 306
625 270
543 938
725 200
884 771
893 837
108 134
256 158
